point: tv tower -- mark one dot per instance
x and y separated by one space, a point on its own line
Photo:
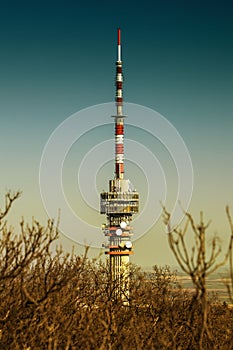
120 202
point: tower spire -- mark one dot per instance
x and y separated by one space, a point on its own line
119 44
119 118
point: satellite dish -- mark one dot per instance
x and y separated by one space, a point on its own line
118 232
123 224
128 244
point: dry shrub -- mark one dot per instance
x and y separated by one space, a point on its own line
61 301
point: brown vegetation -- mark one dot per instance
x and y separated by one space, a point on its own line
51 300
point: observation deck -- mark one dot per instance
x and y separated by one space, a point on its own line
119 203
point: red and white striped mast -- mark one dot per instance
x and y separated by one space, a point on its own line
119 118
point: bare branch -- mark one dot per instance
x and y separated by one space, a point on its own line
9 199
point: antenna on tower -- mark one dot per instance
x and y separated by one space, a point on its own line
119 118
119 44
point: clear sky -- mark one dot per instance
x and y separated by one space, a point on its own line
58 57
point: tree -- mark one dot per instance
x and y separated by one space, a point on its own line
229 284
54 300
197 265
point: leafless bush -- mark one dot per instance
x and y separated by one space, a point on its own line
229 284
52 300
195 263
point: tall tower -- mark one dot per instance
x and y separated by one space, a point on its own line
120 202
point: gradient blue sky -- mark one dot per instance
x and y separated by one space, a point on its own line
57 57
